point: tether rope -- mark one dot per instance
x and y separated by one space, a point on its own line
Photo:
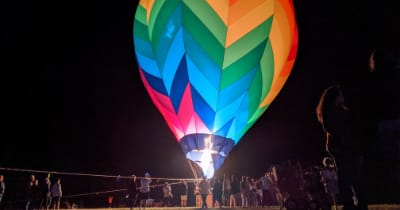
92 175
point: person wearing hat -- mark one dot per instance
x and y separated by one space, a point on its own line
144 191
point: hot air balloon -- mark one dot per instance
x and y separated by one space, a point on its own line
212 67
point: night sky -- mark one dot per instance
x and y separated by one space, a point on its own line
73 100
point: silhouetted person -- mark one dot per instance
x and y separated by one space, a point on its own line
132 192
157 192
335 118
277 194
266 182
244 191
329 179
45 194
30 189
36 195
204 189
56 194
2 188
381 120
385 88
226 186
235 192
183 192
167 194
217 192
144 190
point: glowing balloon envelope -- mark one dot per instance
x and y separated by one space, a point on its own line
212 67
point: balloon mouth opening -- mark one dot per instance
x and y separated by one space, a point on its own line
207 151
203 158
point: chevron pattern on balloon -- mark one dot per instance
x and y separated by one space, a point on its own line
213 67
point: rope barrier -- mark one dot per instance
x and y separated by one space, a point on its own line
67 196
94 193
92 175
98 193
118 190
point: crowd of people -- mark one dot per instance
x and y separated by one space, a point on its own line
38 194
287 185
